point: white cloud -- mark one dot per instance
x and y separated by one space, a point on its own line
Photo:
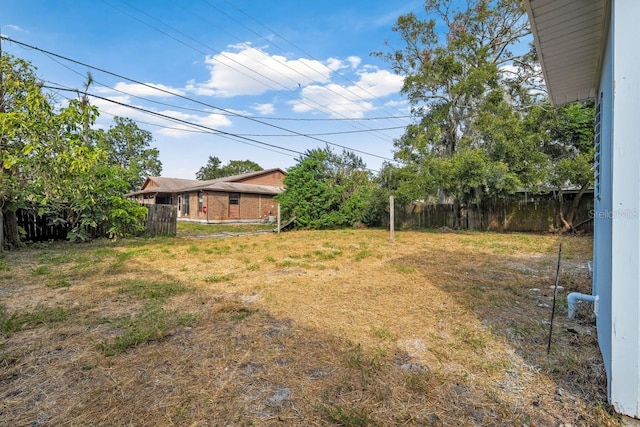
212 120
247 70
264 109
354 61
349 101
14 28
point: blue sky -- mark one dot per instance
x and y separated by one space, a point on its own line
264 73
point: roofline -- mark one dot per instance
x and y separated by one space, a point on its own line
536 42
233 178
248 189
581 93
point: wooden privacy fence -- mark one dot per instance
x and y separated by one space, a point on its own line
161 220
39 228
503 215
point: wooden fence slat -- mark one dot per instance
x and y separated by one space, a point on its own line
503 215
161 220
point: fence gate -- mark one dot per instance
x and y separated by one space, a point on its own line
162 220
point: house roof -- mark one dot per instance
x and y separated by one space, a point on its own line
247 175
237 187
224 184
169 184
570 36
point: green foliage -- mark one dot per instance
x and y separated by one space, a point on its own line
214 169
153 323
154 290
571 144
349 417
217 278
326 190
483 126
52 161
128 147
17 321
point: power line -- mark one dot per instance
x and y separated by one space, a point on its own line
236 137
305 63
164 116
222 54
283 63
191 99
290 43
196 110
251 69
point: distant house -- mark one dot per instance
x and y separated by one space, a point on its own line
589 50
240 198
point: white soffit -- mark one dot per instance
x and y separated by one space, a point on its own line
570 36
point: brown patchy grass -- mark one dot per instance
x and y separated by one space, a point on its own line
299 328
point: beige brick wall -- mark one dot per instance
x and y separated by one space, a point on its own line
257 206
274 178
252 206
217 206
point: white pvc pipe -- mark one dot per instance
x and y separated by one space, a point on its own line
574 297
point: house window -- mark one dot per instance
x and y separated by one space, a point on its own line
185 204
597 146
234 198
200 201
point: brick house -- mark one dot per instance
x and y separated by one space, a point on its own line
240 198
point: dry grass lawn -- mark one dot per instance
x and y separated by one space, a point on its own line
300 328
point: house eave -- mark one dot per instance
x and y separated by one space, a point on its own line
569 36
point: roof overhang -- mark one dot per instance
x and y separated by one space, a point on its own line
570 37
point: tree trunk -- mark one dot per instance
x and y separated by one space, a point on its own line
567 222
11 234
457 214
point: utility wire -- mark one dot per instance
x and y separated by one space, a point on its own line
305 63
174 119
284 63
191 99
204 111
236 137
290 43
252 70
222 54
197 110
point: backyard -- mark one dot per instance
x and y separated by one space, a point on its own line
310 328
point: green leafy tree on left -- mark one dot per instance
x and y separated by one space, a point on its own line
50 162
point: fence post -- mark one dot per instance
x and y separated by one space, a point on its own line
392 219
278 217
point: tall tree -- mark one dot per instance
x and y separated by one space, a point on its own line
239 167
452 63
456 65
129 147
25 128
214 168
483 126
571 149
211 170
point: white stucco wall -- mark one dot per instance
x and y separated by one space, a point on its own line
617 214
602 209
